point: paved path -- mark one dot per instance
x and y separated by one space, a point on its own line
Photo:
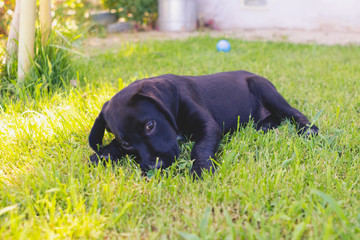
293 36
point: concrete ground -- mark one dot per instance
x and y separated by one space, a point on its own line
277 35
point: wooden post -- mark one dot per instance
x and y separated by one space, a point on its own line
26 37
11 45
45 20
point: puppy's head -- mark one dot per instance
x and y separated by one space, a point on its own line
142 118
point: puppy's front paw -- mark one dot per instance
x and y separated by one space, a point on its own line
94 159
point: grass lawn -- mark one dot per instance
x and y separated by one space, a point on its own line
268 186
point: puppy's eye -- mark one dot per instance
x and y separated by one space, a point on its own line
125 145
150 126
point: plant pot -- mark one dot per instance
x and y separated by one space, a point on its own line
104 18
177 15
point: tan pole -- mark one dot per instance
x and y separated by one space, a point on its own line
26 37
45 20
11 45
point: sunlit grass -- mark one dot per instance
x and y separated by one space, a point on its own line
274 185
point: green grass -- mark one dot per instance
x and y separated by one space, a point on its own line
51 68
267 186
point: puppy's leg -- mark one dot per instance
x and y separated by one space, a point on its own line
205 147
278 106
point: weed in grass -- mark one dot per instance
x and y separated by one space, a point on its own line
267 186
51 69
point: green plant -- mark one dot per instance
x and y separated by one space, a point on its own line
51 68
141 11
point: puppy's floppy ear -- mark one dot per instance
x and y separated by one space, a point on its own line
165 95
97 131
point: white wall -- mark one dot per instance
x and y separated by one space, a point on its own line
339 15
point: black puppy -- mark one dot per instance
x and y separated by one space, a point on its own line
147 116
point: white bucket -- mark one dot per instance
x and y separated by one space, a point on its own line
177 15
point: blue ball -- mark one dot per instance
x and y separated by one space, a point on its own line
223 46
